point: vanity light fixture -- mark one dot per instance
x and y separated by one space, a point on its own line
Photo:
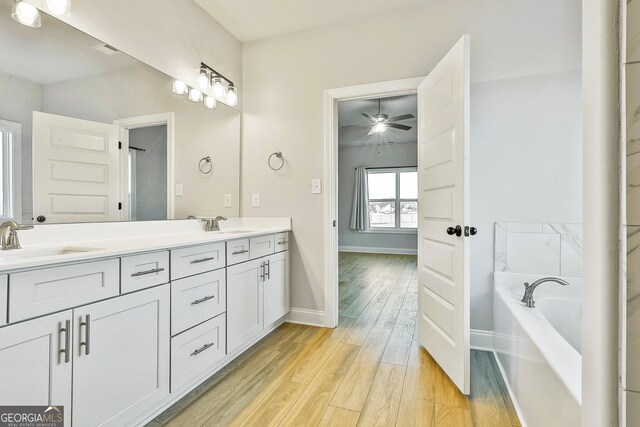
232 95
203 79
25 14
195 95
210 102
180 87
218 87
58 7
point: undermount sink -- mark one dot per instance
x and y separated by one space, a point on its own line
41 252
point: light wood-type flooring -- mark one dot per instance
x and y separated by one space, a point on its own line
369 371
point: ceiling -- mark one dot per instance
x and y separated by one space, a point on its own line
52 53
250 20
349 113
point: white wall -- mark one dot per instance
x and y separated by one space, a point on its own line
173 36
371 155
284 79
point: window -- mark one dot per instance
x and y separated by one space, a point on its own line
10 197
393 199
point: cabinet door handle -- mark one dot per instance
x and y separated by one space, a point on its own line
201 349
244 251
67 340
262 271
87 334
201 300
198 261
142 273
282 242
268 269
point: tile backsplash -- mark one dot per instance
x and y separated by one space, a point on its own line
538 248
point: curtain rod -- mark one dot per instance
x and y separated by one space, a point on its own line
389 167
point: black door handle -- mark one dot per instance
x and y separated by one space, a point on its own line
457 231
470 231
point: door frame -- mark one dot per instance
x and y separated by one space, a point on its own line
331 97
137 122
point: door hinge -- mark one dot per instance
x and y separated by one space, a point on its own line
119 145
119 206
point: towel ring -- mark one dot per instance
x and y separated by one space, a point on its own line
203 167
277 154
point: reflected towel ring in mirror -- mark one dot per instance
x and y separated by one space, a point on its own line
205 165
277 154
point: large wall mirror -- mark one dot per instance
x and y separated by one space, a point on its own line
91 134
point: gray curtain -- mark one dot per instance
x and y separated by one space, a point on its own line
360 209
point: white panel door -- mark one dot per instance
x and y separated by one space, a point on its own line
244 303
276 287
121 357
34 370
443 252
76 169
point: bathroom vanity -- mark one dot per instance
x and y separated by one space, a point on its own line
117 329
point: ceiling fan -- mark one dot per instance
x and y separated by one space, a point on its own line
379 123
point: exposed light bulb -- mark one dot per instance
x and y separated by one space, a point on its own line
210 102
203 79
195 95
25 14
58 7
379 127
232 95
180 87
218 87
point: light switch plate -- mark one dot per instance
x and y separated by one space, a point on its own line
178 190
255 200
316 186
227 200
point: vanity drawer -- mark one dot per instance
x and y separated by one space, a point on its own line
197 351
282 242
144 271
261 246
196 299
38 292
197 259
237 251
3 300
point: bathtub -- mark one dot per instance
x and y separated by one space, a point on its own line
539 348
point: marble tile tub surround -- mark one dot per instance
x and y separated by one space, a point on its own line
538 248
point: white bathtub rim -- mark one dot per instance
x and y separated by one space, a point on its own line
562 358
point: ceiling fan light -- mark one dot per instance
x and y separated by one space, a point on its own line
218 87
26 14
232 95
195 95
203 79
379 127
210 102
58 7
180 87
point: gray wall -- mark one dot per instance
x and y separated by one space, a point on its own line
151 172
371 156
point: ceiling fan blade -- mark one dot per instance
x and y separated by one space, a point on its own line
371 132
369 116
402 117
398 126
355 126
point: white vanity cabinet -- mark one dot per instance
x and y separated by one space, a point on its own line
4 290
33 368
244 303
276 287
121 357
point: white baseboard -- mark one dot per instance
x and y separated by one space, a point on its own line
481 340
306 317
373 250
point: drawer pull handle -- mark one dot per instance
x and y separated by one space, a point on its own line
282 242
198 261
67 340
201 349
143 273
244 251
201 300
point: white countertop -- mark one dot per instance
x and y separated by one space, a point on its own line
87 241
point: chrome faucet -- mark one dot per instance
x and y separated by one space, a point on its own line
527 299
213 224
9 234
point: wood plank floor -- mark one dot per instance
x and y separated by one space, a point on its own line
370 371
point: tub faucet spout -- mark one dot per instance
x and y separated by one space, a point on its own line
527 299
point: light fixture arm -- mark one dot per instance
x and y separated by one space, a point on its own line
216 73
